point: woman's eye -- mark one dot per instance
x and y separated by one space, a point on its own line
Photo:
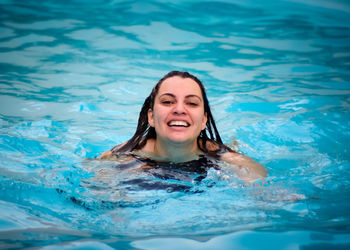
193 104
167 102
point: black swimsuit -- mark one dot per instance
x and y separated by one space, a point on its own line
182 174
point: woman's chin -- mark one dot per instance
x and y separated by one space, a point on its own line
181 139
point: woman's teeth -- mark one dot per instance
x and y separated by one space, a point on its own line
178 123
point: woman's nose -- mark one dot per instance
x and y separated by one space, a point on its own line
179 108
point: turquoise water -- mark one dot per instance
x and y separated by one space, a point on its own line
74 75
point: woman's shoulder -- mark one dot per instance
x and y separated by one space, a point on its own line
110 153
105 155
215 147
249 169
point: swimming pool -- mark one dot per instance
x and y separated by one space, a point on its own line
74 75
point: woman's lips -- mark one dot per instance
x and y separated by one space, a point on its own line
178 124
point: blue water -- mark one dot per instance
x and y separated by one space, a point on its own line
74 75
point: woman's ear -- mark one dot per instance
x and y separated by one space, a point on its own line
205 119
150 118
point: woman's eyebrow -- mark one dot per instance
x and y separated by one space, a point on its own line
167 94
188 96
196 96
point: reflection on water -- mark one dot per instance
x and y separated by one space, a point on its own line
73 79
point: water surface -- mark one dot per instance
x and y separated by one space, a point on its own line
74 75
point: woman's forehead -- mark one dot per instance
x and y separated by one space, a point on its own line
179 85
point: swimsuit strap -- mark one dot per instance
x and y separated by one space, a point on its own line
200 165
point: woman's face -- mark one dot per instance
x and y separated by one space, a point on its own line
178 111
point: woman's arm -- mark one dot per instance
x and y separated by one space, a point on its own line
246 168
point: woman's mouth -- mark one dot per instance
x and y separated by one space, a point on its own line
178 124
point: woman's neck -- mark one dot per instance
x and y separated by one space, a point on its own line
173 151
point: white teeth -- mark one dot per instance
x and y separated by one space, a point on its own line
178 123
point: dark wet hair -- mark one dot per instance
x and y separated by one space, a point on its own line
144 131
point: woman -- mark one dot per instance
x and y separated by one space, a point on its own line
176 125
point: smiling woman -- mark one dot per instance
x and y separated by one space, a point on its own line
173 127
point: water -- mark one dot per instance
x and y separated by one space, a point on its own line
74 75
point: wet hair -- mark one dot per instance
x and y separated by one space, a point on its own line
209 135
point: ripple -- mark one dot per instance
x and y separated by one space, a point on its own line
47 25
102 40
32 38
273 44
163 36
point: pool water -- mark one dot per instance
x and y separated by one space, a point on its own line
74 75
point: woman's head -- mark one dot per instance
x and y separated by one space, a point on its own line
183 75
177 113
189 91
